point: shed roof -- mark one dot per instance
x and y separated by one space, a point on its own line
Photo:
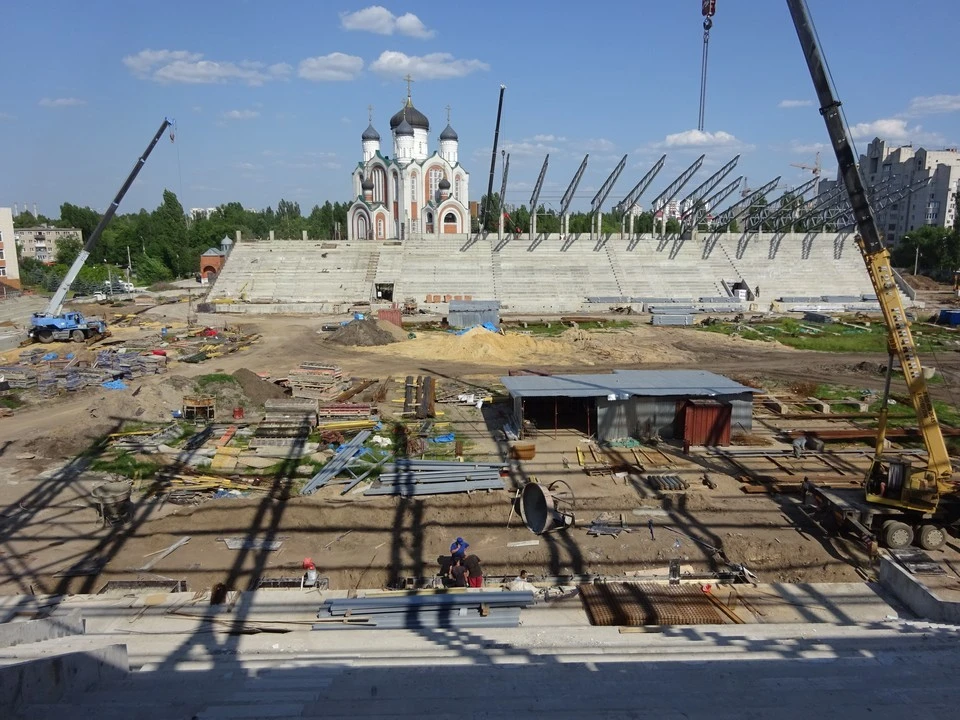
683 383
212 251
473 305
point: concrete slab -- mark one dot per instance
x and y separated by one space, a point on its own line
934 597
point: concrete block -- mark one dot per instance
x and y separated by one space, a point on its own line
31 631
819 405
913 593
50 679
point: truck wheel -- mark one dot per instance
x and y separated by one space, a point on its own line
77 336
45 336
897 535
931 537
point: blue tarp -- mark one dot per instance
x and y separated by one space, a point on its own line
443 438
50 356
114 385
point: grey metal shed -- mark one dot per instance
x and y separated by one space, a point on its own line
471 313
625 403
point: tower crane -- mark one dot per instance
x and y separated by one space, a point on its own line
815 168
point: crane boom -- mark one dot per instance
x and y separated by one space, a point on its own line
55 306
907 488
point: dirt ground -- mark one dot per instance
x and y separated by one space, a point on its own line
48 523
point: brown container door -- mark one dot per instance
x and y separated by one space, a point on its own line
707 422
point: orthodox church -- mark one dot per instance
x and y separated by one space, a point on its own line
414 191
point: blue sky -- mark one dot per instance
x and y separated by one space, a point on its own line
270 98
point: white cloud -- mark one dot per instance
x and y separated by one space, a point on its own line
182 66
435 66
246 166
331 165
933 104
525 148
807 148
61 102
700 139
241 114
334 67
794 103
548 138
7 116
379 20
146 60
601 145
894 129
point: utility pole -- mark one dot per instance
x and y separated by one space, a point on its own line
129 263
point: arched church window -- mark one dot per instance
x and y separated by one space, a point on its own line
379 184
450 218
413 187
456 188
436 175
380 226
396 187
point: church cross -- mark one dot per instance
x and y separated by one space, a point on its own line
409 81
448 114
370 113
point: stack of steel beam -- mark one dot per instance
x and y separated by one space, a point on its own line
484 609
408 477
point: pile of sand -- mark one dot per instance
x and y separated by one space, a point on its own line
257 390
481 345
366 333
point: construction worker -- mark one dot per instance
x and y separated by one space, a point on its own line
799 445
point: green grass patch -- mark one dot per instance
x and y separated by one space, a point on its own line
833 337
126 465
205 381
11 401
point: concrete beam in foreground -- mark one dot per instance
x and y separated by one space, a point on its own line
50 679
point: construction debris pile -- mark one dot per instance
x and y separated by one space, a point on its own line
289 420
316 381
49 373
493 609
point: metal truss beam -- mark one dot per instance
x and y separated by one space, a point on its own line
700 212
741 208
568 195
671 191
641 187
601 197
706 187
781 218
778 207
882 201
535 197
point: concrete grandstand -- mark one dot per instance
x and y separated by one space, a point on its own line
798 270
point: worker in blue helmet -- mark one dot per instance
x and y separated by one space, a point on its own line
458 549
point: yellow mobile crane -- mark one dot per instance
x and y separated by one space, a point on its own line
904 500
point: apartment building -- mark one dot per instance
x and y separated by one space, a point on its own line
934 205
40 243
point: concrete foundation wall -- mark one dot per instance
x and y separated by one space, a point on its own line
911 591
51 679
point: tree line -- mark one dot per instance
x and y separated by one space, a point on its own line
165 244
